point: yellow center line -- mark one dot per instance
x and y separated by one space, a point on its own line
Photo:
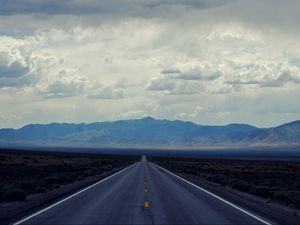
146 204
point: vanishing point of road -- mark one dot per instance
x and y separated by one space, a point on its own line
143 193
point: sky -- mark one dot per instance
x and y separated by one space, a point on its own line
211 62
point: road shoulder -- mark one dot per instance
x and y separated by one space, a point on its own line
259 206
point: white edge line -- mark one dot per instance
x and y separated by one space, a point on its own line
71 196
216 196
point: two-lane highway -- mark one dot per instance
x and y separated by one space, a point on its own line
143 193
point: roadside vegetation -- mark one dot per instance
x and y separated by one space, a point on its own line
26 173
277 181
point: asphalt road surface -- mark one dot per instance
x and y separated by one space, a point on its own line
143 193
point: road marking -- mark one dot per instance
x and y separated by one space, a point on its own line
145 190
216 196
71 196
144 159
146 204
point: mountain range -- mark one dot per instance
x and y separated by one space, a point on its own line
149 132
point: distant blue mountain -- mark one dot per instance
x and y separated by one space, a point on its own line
149 132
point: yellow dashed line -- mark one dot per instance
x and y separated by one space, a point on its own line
146 204
145 190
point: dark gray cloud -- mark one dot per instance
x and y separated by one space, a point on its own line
117 7
205 73
264 14
190 3
281 80
18 82
32 6
170 71
61 89
160 84
199 75
272 15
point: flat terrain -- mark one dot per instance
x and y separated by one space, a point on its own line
143 194
274 180
26 173
64 188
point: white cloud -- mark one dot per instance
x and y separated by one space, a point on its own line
107 92
12 65
162 58
66 86
27 63
167 85
264 74
203 71
160 84
133 114
196 112
123 83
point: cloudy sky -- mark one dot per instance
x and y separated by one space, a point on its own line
206 61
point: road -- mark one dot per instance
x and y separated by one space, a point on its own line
143 193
